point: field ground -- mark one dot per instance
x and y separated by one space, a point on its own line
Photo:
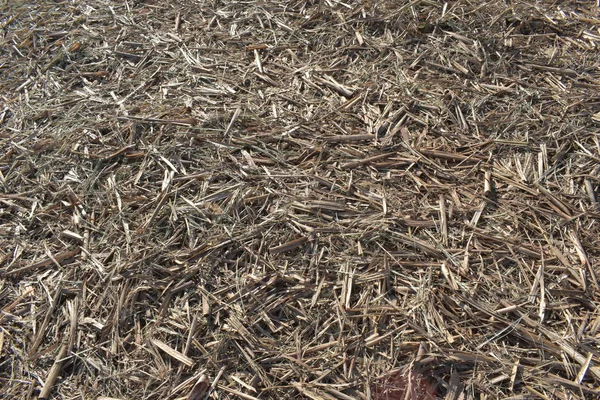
299 199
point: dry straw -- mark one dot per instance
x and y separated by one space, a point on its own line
299 199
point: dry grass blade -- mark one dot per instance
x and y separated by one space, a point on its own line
173 353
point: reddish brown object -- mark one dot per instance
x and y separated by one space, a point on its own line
404 386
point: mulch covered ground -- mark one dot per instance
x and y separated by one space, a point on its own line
299 199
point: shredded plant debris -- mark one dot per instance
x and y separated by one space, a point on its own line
299 199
